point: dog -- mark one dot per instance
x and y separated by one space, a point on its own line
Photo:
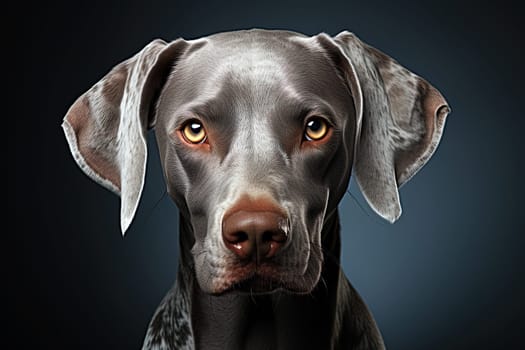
258 133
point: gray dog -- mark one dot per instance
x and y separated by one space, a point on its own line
258 132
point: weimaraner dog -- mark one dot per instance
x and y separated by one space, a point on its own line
258 132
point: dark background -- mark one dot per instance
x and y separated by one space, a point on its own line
447 275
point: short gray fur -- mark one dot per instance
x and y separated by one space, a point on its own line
253 91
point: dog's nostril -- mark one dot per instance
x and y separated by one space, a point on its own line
273 236
237 237
267 236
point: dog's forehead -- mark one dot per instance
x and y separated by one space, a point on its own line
257 59
244 50
255 74
252 52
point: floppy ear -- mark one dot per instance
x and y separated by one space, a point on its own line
400 119
106 126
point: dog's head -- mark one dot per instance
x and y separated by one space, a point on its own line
258 132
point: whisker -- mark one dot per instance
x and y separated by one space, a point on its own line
149 215
374 218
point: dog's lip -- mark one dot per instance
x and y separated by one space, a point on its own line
257 283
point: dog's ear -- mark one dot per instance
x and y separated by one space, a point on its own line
400 120
106 126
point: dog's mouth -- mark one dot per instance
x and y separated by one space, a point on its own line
263 279
251 279
297 271
256 285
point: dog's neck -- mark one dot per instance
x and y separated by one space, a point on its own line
274 321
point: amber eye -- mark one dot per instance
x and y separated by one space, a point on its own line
194 132
316 129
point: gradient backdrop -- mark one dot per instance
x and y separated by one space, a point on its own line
448 275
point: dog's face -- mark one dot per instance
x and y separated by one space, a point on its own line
258 132
269 121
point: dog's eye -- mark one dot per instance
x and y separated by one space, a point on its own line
316 129
194 132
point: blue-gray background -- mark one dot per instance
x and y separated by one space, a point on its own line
448 275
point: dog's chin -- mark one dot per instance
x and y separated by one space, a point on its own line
263 283
265 278
261 286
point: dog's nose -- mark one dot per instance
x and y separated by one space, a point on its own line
257 235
